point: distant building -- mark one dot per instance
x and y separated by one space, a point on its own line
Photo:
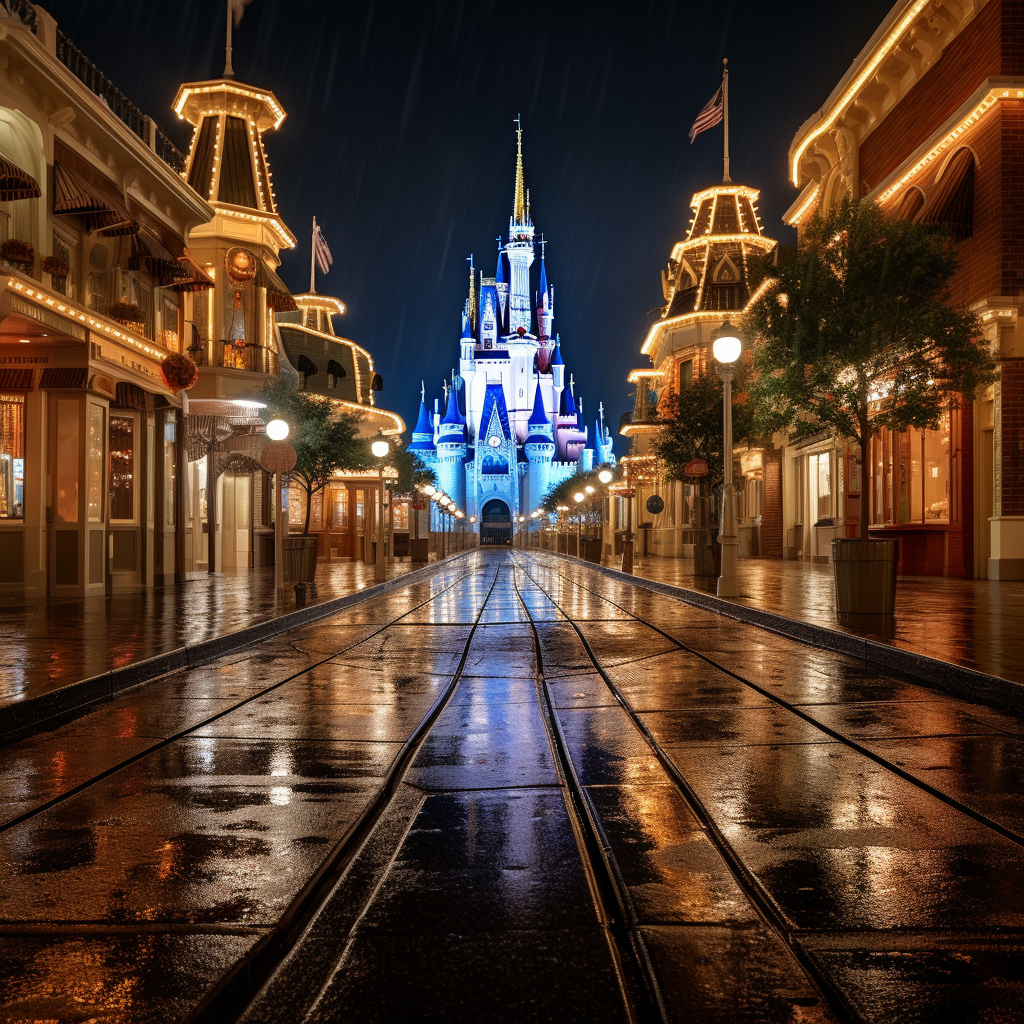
707 279
928 122
510 427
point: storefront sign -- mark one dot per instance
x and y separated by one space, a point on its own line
23 360
134 364
696 467
278 457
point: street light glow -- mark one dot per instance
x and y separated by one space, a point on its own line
605 476
429 490
726 345
380 448
277 430
589 489
578 496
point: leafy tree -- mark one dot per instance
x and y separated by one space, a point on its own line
412 474
324 441
562 494
856 333
694 427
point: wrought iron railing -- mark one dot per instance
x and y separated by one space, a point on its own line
22 10
122 107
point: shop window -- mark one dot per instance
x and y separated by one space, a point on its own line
66 251
102 283
122 468
360 501
914 468
167 319
12 457
819 481
68 434
96 461
297 507
685 373
201 489
401 513
170 467
340 496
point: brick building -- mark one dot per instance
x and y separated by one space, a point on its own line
929 122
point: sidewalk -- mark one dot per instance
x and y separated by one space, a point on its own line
49 644
978 624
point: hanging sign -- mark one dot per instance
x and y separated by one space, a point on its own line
696 467
278 457
655 504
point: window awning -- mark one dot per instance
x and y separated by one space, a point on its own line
196 279
149 252
279 299
951 203
73 195
16 183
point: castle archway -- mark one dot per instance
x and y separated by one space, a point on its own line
495 523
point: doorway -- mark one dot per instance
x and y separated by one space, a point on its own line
496 523
235 517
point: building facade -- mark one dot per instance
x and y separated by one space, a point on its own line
511 426
708 278
928 122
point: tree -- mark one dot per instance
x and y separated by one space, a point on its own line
562 494
412 474
855 333
324 441
694 427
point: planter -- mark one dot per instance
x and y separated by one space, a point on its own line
299 558
865 573
419 549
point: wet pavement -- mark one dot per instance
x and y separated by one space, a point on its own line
974 623
50 643
517 790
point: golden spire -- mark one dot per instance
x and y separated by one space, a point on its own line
519 211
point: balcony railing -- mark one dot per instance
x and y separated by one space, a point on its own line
22 10
122 107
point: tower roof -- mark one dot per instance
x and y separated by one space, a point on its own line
542 286
538 418
556 356
519 211
423 424
568 403
453 415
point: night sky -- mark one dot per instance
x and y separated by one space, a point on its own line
400 140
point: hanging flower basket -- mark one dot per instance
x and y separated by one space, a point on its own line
179 372
19 253
127 313
55 267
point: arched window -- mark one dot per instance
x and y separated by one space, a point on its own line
494 464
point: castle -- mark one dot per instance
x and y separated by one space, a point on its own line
512 427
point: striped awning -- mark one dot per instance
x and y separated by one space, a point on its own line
101 211
279 299
951 199
16 183
150 253
196 279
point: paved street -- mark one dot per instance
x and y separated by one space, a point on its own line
517 790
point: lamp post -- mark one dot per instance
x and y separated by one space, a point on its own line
381 449
727 346
439 497
277 430
578 498
605 477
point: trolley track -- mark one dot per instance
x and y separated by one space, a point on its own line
126 762
797 710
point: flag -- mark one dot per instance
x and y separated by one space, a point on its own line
323 253
710 115
238 9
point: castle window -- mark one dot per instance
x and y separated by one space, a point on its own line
494 465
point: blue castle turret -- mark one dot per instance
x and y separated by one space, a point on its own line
514 429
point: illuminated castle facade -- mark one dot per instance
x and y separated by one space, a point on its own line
509 427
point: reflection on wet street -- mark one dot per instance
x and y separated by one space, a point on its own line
517 790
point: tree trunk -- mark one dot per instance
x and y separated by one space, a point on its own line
309 507
865 491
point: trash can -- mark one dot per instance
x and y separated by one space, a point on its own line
299 554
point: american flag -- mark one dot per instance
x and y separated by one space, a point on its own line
238 9
710 115
323 253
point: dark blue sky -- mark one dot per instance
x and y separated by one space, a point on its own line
399 138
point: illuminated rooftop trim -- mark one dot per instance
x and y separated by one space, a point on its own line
949 134
328 337
848 93
312 300
724 190
271 220
701 241
795 214
635 376
228 85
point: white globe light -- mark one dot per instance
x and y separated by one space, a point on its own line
578 496
440 497
429 490
277 430
380 449
589 489
727 348
605 476
522 519
460 515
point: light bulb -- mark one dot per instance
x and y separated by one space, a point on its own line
277 430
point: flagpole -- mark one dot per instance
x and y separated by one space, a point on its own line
228 70
725 113
312 260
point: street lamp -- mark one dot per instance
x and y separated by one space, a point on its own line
605 476
726 345
578 498
381 450
277 430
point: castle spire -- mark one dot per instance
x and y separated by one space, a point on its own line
519 210
471 307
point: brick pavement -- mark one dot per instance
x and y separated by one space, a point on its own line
49 644
975 623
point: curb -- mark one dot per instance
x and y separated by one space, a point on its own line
965 682
48 710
